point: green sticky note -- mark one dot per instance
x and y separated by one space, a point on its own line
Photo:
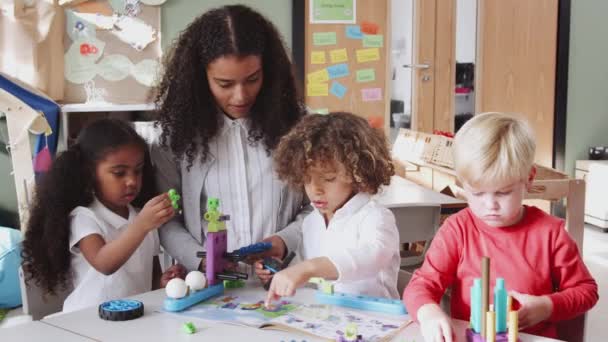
322 111
366 75
333 11
373 40
324 38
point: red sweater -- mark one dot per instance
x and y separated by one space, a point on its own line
535 256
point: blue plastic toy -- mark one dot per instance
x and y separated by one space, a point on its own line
10 259
385 305
121 310
173 305
249 250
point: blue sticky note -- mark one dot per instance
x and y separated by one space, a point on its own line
354 32
337 89
337 70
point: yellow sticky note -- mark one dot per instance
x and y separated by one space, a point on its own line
368 55
318 76
317 89
338 56
317 57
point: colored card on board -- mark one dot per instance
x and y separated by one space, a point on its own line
338 70
324 38
337 89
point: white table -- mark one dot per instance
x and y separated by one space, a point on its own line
402 192
38 331
161 326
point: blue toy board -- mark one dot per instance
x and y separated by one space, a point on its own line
384 305
180 304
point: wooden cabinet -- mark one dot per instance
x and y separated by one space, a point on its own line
595 173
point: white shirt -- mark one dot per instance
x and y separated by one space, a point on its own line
239 178
91 287
362 241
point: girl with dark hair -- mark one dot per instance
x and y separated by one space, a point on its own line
227 96
83 232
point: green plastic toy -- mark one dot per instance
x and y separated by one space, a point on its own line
174 197
214 216
234 284
189 328
323 285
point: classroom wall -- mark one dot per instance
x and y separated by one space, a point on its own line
176 14
587 116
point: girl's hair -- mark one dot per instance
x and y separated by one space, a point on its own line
335 138
70 183
187 110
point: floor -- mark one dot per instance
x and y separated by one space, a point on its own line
595 254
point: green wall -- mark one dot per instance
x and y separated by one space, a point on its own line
176 15
587 117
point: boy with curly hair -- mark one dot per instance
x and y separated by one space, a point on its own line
340 162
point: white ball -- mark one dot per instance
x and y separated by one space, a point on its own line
196 280
176 288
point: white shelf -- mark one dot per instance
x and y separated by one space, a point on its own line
86 107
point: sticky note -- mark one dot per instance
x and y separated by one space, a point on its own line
324 38
371 94
369 27
321 111
317 57
338 56
353 32
366 75
373 40
317 89
337 89
368 55
338 70
318 76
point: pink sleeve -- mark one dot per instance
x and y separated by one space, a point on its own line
575 289
438 271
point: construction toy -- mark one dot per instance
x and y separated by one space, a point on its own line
274 266
174 197
189 328
121 310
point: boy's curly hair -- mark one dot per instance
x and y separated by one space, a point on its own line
187 111
335 138
71 183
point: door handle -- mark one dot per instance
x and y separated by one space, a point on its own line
417 66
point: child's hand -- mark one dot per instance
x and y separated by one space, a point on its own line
285 282
175 271
435 325
533 310
156 212
262 273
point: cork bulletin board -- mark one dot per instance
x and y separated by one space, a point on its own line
346 65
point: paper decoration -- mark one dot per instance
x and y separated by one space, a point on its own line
126 7
153 2
317 57
324 38
373 40
318 76
338 70
114 67
366 75
146 72
80 59
333 11
94 95
371 94
337 89
338 56
317 89
134 32
77 27
368 55
369 28
353 32
323 111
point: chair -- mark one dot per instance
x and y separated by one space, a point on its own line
416 224
35 303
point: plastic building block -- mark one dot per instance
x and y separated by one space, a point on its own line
189 328
215 262
500 305
193 298
323 285
174 197
121 310
274 265
475 337
214 216
243 252
385 305
234 284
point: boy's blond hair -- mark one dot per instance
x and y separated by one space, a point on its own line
494 148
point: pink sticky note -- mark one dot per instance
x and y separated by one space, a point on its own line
371 94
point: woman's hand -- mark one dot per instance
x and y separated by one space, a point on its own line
175 271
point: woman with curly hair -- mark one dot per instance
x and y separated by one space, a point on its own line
227 96
83 234
340 161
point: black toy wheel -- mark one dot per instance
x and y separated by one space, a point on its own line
121 310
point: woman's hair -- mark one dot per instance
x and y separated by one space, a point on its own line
70 183
187 111
335 138
493 148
